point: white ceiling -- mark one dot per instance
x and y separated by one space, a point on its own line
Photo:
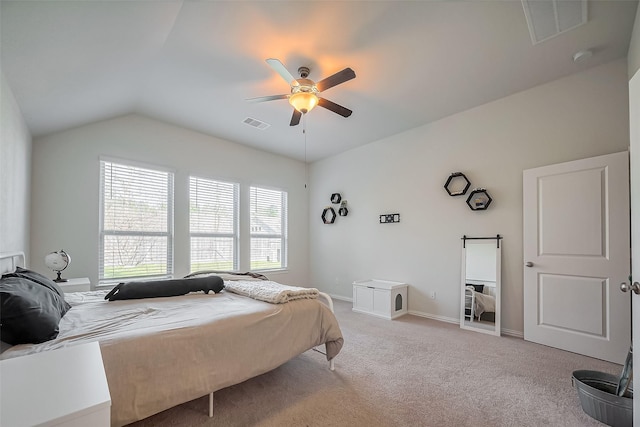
194 63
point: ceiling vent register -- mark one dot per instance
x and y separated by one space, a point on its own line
548 18
256 123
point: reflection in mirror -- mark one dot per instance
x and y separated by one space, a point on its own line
480 302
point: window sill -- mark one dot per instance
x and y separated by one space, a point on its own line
274 271
109 284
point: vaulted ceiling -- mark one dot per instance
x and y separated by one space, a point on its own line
194 63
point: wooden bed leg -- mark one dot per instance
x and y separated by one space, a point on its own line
332 366
210 405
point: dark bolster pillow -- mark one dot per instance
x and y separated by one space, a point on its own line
29 311
165 288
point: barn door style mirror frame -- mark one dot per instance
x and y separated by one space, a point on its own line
480 284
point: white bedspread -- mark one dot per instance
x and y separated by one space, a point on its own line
161 352
484 304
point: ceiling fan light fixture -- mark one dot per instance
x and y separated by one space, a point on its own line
303 101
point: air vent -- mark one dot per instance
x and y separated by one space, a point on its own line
549 18
256 123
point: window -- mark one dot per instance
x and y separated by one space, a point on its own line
136 222
213 224
268 228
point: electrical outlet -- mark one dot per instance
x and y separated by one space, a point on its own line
432 294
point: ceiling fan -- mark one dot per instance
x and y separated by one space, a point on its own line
304 92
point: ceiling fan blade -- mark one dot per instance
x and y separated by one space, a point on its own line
295 119
336 79
338 109
279 68
267 98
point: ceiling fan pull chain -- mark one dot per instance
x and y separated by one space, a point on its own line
306 165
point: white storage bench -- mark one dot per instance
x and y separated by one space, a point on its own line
380 298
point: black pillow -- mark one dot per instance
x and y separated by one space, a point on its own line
29 311
165 288
478 288
38 278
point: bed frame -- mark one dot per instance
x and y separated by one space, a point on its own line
10 260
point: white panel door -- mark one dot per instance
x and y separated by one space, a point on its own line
634 122
576 254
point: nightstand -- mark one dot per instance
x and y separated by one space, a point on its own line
80 284
66 387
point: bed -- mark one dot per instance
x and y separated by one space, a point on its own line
478 302
161 352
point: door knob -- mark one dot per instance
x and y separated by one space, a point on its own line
528 264
624 287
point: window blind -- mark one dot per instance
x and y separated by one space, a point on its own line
136 222
268 213
213 224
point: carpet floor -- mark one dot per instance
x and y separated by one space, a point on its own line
410 371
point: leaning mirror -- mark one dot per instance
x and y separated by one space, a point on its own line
480 293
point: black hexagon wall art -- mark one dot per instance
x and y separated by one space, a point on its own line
335 198
343 211
457 184
479 199
328 215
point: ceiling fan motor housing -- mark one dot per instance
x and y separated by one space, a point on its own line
304 72
304 85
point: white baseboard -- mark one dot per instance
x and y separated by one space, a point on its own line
454 320
512 333
509 332
341 298
435 317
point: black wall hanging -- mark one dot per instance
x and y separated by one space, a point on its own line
389 218
343 211
328 215
479 199
457 184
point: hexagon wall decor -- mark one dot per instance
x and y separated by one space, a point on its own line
457 184
328 215
479 199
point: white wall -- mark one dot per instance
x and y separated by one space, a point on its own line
633 57
15 174
66 187
579 116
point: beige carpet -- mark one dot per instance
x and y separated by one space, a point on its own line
407 372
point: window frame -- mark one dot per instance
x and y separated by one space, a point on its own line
169 234
283 236
235 235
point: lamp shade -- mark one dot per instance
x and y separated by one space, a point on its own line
303 101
